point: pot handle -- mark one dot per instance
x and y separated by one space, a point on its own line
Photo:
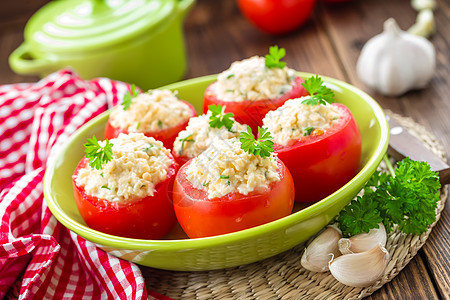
22 62
185 6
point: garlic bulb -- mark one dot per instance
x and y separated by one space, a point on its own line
364 241
319 253
395 61
360 269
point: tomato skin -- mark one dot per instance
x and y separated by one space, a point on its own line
277 16
133 220
322 164
166 136
181 160
252 112
202 217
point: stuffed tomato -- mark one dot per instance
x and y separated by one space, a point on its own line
250 88
204 130
320 144
224 190
157 113
130 194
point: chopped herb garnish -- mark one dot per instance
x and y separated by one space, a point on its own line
274 56
229 76
229 90
138 125
206 183
224 176
105 187
219 118
408 199
262 147
319 93
228 182
129 97
160 124
187 139
96 154
146 149
308 131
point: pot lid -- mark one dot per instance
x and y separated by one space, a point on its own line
74 26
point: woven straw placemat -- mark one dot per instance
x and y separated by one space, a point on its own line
282 276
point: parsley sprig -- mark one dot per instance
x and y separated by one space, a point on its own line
262 147
319 93
274 56
96 154
219 118
129 97
408 199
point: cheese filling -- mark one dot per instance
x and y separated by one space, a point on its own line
199 135
139 163
225 168
151 111
250 79
294 120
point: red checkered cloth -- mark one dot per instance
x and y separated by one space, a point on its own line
37 253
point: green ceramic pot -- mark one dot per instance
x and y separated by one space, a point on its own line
176 251
136 41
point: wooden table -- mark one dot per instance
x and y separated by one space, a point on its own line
217 34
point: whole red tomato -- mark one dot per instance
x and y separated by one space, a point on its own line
277 16
251 112
321 164
145 218
166 136
202 217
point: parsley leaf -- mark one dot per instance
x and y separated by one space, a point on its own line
219 118
274 56
129 97
319 94
262 147
96 154
408 199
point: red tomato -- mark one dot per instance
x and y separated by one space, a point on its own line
202 217
322 163
146 218
252 112
277 16
181 160
166 136
336 1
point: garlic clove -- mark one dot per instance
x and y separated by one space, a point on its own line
419 5
364 241
360 269
425 25
319 253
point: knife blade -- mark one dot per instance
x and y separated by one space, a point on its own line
403 144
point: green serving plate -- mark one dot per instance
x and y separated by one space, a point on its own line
176 251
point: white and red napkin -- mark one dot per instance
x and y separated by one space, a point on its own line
37 253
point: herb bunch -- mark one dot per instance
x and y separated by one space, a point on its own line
319 93
408 199
262 147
